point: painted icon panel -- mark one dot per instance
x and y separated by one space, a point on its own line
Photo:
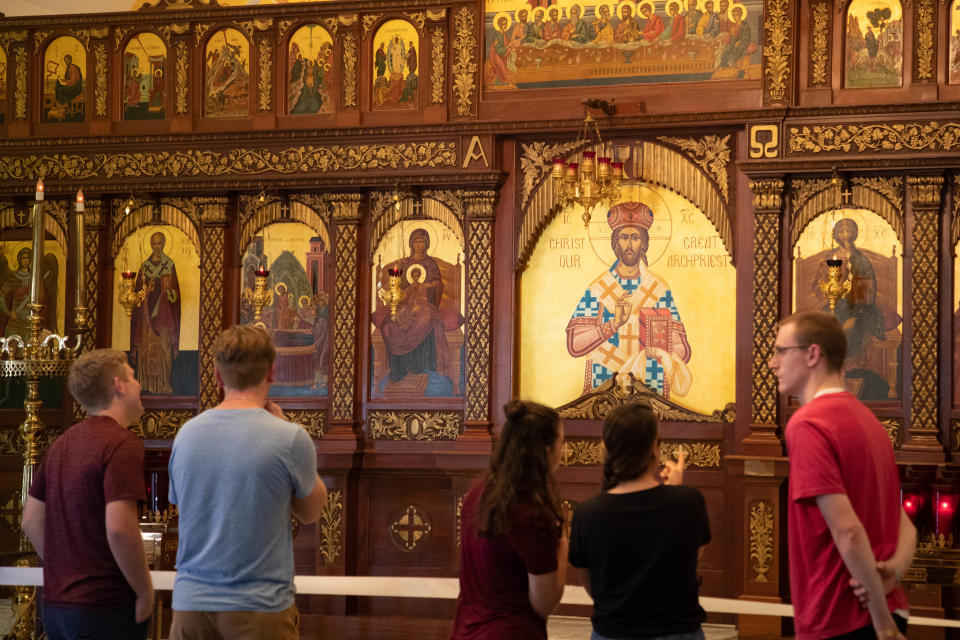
871 313
3 84
16 260
64 63
309 89
873 54
417 323
227 80
583 44
646 288
396 49
161 335
955 42
144 77
298 313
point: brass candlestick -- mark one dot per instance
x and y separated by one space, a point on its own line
392 296
261 296
834 288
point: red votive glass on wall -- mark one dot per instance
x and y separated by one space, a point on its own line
945 511
914 504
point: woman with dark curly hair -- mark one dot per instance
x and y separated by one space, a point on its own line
513 556
637 545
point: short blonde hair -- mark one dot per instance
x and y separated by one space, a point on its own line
243 355
91 378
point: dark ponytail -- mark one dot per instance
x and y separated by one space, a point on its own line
629 436
520 467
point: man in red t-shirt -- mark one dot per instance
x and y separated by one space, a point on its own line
846 526
81 514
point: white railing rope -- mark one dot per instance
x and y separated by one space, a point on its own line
443 588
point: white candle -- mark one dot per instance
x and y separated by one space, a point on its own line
36 282
78 242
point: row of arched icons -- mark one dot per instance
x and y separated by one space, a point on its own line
309 74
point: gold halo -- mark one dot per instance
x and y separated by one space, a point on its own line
515 18
416 265
552 7
734 6
496 20
644 3
541 10
610 9
286 289
666 6
303 301
633 7
571 6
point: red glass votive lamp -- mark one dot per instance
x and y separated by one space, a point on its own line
603 167
945 510
262 272
127 275
572 168
913 502
617 168
559 166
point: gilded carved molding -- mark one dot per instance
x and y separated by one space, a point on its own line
312 420
200 30
595 404
465 64
955 436
479 301
163 424
761 539
419 18
265 73
438 71
767 202
410 527
876 137
305 159
459 516
284 25
591 452
893 428
924 35
536 161
437 15
7 38
20 84
820 44
120 33
414 425
925 193
345 321
100 87
330 528
368 23
777 51
212 237
811 197
955 218
349 70
183 73
710 153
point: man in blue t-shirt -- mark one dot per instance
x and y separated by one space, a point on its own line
237 471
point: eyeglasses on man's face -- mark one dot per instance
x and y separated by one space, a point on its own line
782 350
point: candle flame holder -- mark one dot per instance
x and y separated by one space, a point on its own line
591 181
260 296
835 287
127 297
392 296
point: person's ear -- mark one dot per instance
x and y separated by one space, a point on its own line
270 372
218 378
814 354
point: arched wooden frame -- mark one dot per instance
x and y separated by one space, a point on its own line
144 215
51 225
285 79
84 70
272 212
660 165
167 87
372 36
844 12
862 197
433 209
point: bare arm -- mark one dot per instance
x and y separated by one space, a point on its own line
545 590
892 569
584 577
854 546
126 545
307 510
34 514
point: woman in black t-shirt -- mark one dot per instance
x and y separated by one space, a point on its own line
638 544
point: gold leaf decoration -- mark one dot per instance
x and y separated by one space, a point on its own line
819 55
710 153
418 18
211 305
777 50
537 161
479 298
459 518
767 200
465 67
200 30
20 92
923 26
582 453
11 441
594 405
875 137
350 70
100 93
437 74
703 455
120 34
330 528
369 21
414 425
892 427
312 421
183 68
345 321
761 539
410 528
163 424
38 38
436 15
265 79
284 25
306 159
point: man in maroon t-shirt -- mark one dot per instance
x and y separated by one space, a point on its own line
81 514
846 526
